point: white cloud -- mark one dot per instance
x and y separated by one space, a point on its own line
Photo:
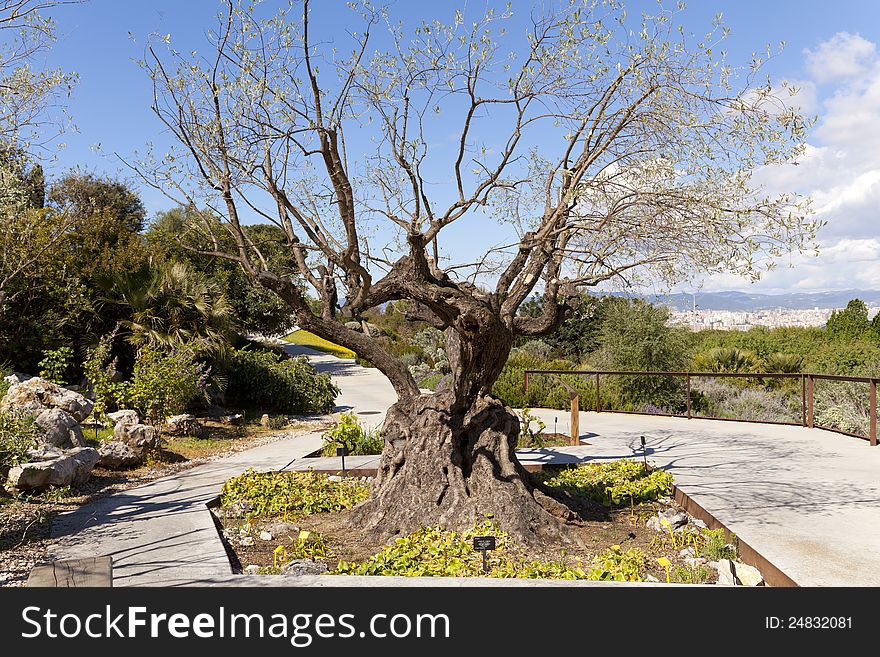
840 170
843 56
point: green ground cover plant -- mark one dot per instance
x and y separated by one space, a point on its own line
621 482
291 494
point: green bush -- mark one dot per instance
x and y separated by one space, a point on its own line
17 436
165 381
55 364
351 434
544 391
264 379
623 482
291 494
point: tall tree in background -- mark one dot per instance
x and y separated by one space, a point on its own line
30 115
608 146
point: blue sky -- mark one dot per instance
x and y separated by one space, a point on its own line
830 50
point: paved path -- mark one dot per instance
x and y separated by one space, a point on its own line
807 500
162 532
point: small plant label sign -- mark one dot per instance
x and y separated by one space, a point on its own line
484 543
341 451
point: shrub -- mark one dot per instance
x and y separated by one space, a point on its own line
623 482
721 399
715 546
165 381
536 348
349 433
270 381
5 385
544 391
614 564
18 434
99 371
528 437
293 494
842 405
55 364
725 359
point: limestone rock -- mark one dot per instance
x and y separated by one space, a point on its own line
675 517
253 569
300 567
185 424
71 467
265 536
654 523
736 573
60 429
116 455
35 395
125 417
142 438
748 575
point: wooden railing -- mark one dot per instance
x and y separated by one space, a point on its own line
807 396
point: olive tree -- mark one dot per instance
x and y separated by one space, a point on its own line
604 145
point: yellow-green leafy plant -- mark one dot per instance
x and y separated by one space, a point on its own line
615 482
292 494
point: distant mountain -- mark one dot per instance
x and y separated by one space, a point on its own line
750 302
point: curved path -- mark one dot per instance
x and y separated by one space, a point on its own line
162 532
805 499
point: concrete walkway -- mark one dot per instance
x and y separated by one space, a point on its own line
162 532
807 500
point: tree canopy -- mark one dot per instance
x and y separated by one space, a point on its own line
618 145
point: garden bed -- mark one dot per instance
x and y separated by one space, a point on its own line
297 523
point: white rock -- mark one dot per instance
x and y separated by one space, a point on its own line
253 569
36 394
698 523
675 517
116 455
247 541
71 467
726 572
265 536
125 417
694 562
748 575
654 523
142 438
651 578
60 428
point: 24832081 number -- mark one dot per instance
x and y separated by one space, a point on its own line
819 622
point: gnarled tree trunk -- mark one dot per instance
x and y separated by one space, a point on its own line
449 457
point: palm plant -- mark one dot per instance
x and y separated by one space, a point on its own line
173 304
783 363
725 359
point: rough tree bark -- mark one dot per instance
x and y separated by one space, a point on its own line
449 457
